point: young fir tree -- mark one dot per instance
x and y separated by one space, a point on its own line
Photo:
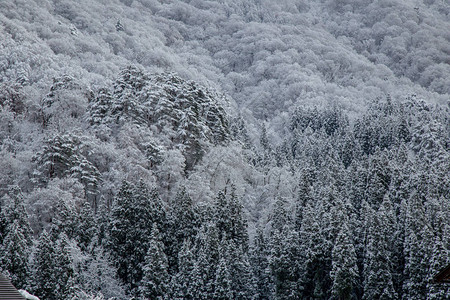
63 272
378 179
230 220
154 284
183 284
206 259
63 219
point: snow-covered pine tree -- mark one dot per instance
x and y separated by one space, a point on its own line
126 105
100 108
284 257
183 284
417 249
85 226
313 253
206 259
183 224
64 272
243 283
15 237
230 220
259 253
135 210
44 281
154 284
53 272
378 265
223 283
62 156
345 271
14 254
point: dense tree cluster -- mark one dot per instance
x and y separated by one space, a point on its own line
354 209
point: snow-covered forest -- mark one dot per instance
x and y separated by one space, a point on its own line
228 149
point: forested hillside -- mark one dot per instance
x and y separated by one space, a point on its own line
233 149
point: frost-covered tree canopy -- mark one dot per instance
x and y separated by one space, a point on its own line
233 149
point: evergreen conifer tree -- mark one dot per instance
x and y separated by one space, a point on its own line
135 211
285 254
15 237
182 284
155 280
63 272
243 281
345 271
418 239
100 108
378 266
313 253
44 280
223 283
85 226
14 254
183 221
259 253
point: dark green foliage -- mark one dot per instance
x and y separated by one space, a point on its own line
184 283
15 237
345 271
135 210
53 277
85 226
223 284
14 254
378 263
154 284
284 255
315 254
230 220
184 222
259 260
44 280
